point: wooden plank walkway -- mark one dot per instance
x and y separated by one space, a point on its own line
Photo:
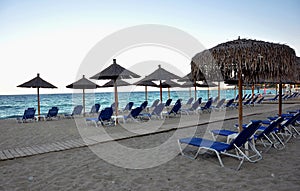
41 149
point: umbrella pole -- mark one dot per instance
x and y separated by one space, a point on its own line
83 101
234 91
280 99
160 89
146 94
195 91
169 93
219 90
38 98
240 102
252 88
208 93
116 99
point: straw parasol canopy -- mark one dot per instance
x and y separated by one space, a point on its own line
37 83
83 84
118 83
114 72
145 83
169 84
251 60
191 81
161 74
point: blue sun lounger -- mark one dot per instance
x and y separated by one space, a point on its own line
175 109
105 118
263 134
157 112
225 148
52 113
28 116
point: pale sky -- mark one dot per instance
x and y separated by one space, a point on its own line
54 37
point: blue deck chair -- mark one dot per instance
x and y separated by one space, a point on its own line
95 109
193 109
225 148
175 109
128 107
254 100
189 101
294 112
104 118
52 113
76 111
230 103
264 133
285 97
154 104
28 116
273 99
249 96
134 114
247 102
113 106
236 97
216 99
219 106
156 113
260 101
290 123
199 100
206 107
244 97
287 128
168 102
144 105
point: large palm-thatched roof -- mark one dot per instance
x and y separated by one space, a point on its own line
258 61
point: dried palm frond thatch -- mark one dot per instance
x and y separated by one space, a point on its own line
252 61
258 61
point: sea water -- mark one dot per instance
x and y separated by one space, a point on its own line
12 106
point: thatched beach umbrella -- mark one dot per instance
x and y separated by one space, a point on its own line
114 72
169 84
190 81
161 74
145 83
118 83
37 83
83 84
252 60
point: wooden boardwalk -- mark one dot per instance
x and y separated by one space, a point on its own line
44 148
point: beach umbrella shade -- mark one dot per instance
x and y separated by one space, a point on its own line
191 81
251 60
118 83
114 72
159 75
145 83
169 84
208 84
83 84
37 83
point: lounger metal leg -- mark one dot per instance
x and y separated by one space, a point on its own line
294 128
186 155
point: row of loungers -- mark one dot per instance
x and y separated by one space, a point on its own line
274 132
29 114
162 110
188 108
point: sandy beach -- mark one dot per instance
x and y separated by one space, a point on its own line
156 165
